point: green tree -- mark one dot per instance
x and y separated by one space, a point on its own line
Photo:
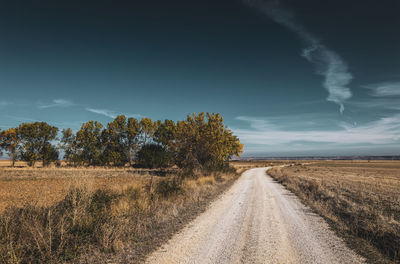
69 146
133 131
147 129
166 133
115 141
49 154
88 143
9 142
35 142
153 156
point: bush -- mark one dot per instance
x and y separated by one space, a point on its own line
167 188
153 156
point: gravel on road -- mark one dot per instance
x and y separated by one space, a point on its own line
256 221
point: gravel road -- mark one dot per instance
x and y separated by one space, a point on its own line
256 221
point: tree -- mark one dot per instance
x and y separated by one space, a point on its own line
88 143
35 143
49 154
221 143
68 145
115 141
9 142
147 129
133 130
153 156
203 142
166 133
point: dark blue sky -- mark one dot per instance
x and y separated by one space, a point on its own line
290 77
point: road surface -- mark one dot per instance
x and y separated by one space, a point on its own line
256 221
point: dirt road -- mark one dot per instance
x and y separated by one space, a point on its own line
256 221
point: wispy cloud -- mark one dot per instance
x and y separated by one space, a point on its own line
383 131
258 123
109 113
104 112
4 103
328 63
57 103
384 89
300 121
376 104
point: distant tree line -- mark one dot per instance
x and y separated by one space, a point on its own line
201 142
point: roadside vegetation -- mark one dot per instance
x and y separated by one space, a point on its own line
201 143
361 201
95 205
119 219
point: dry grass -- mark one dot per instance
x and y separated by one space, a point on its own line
22 186
7 163
87 215
46 186
360 199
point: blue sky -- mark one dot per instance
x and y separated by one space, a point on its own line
289 78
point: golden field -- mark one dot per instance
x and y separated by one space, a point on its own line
87 215
34 188
360 199
23 185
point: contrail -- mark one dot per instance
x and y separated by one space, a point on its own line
328 63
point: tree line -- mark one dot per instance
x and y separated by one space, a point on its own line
200 142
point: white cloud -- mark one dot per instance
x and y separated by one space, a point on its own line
377 104
334 69
383 131
109 113
329 64
299 121
104 112
57 103
257 123
385 89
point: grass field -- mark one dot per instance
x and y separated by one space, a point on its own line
45 191
55 215
86 215
360 199
18 164
22 186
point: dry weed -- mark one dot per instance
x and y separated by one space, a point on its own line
67 218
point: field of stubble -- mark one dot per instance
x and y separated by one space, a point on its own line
360 199
45 186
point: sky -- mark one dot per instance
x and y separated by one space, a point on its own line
291 78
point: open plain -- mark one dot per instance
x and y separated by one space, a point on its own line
360 199
255 221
